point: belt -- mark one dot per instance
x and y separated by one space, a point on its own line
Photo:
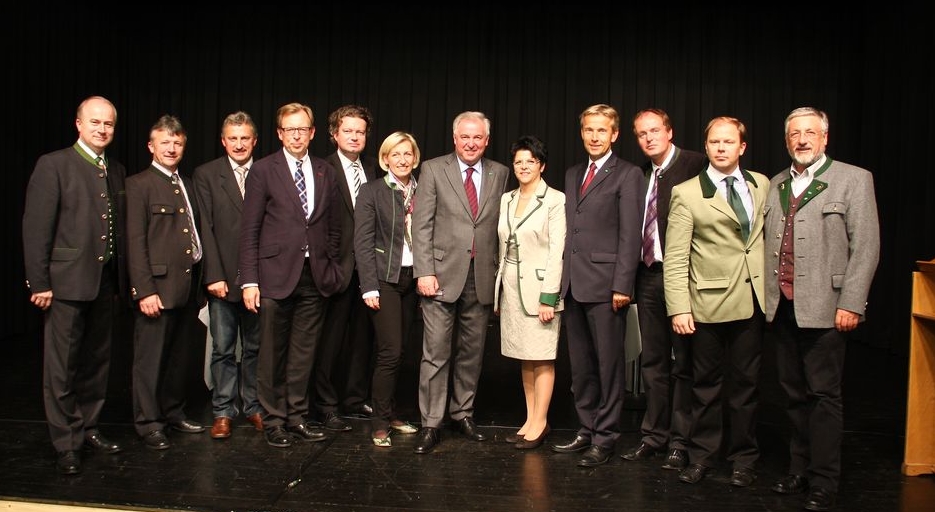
405 270
655 267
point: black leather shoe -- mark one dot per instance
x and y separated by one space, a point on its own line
676 459
514 438
360 410
156 440
579 443
428 438
101 443
467 427
743 477
187 427
333 422
819 499
306 433
641 452
68 463
791 484
278 437
594 456
693 474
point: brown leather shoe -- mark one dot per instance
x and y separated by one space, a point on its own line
257 421
221 428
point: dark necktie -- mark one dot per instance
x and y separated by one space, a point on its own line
300 184
592 170
650 227
734 199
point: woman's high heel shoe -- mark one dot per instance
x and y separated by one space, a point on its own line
529 444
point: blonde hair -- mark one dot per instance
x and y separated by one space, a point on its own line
394 139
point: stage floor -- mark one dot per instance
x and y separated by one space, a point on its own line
348 473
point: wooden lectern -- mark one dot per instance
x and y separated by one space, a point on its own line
920 408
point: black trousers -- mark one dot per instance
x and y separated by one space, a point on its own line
76 363
290 330
728 351
164 353
666 366
810 364
342 369
595 351
392 323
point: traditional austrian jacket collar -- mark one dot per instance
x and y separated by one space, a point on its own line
814 188
709 188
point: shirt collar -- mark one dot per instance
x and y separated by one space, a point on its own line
88 150
809 171
235 165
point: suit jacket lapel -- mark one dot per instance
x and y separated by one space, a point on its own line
599 176
318 177
282 172
532 206
487 191
228 182
709 192
335 162
453 172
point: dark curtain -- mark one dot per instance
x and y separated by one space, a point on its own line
532 71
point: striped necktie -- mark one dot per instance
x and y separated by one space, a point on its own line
650 227
196 247
300 184
357 180
241 173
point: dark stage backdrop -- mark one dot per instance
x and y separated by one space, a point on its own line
531 70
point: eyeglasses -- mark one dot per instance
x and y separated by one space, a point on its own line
807 135
527 163
302 130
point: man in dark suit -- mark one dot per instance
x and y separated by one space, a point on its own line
164 258
603 213
219 187
666 357
455 258
346 344
74 250
289 246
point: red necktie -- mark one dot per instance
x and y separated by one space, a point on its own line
471 197
587 181
470 191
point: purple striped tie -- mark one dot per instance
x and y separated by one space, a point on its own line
649 228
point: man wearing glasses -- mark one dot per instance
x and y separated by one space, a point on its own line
289 242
